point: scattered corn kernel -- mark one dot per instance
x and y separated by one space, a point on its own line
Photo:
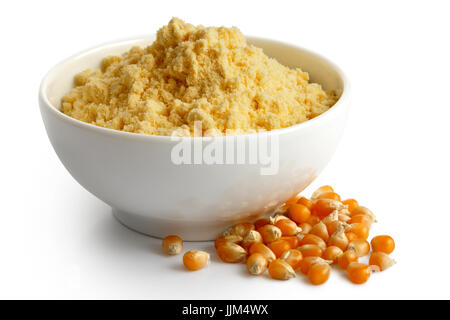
323 189
241 229
294 241
251 237
332 217
270 233
346 258
382 260
299 213
306 228
361 231
344 217
257 264
279 247
231 252
383 243
363 219
292 200
281 270
323 207
363 210
307 262
320 230
313 220
227 238
313 239
288 227
306 202
195 260
293 257
338 238
274 220
319 273
261 222
263 249
332 225
358 273
330 195
172 245
351 236
310 250
332 253
351 204
360 246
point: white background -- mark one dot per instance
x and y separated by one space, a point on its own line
59 241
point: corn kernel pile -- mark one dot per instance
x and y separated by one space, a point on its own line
304 235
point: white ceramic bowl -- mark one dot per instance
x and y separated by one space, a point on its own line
134 174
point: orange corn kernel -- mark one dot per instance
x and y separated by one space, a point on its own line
294 241
241 229
321 190
351 236
363 210
195 260
231 252
261 222
172 245
313 220
332 253
346 258
293 257
320 230
310 250
361 231
277 217
351 203
313 239
332 226
299 213
306 202
360 246
227 238
287 227
381 260
344 217
383 243
279 247
251 237
358 273
323 207
306 227
257 264
330 195
339 239
319 273
281 270
258 247
270 233
363 219
307 262
292 200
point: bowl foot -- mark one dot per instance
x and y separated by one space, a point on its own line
159 228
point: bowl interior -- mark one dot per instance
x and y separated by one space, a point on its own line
60 80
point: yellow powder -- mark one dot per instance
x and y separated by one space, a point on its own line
195 74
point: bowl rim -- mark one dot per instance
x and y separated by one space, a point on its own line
45 102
